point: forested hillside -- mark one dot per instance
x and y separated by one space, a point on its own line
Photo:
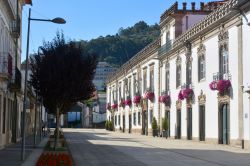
117 49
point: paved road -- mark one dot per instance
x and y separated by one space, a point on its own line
101 148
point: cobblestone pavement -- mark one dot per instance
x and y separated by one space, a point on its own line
93 147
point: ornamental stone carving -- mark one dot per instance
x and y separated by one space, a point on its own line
201 50
178 104
202 98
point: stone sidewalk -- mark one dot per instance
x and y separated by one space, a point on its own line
95 147
11 155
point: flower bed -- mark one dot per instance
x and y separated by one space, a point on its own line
54 159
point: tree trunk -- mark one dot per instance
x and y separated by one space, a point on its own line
57 128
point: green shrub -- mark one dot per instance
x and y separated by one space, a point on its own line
154 124
165 123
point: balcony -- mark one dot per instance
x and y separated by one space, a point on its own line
165 48
15 28
187 86
15 84
221 76
5 65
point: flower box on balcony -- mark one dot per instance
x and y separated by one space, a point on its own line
128 102
149 95
185 94
137 99
122 103
114 106
165 99
223 86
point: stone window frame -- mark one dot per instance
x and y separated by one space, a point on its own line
201 52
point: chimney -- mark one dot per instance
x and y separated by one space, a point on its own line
202 6
184 4
193 6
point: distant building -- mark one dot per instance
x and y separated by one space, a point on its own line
102 71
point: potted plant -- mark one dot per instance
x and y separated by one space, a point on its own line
154 127
165 127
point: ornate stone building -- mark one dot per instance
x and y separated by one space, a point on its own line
195 75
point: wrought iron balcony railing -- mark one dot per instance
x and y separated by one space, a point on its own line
187 86
221 76
5 65
15 27
165 48
166 92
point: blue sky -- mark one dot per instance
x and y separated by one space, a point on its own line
88 19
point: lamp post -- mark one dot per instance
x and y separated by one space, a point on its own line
57 20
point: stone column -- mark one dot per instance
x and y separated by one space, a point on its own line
240 82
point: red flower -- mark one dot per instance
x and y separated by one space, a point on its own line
213 85
149 95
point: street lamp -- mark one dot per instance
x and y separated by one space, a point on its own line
57 20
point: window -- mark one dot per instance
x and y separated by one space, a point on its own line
129 87
134 116
201 62
224 60
178 75
189 73
124 88
119 119
134 85
167 77
144 79
139 118
152 78
120 90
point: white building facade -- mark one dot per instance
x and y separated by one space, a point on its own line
10 75
195 75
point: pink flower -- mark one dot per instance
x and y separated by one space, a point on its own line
180 96
223 85
122 103
114 106
128 102
137 99
165 99
149 95
213 85
187 93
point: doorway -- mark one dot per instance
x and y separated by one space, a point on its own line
202 122
178 124
189 123
129 123
144 123
167 115
123 123
224 124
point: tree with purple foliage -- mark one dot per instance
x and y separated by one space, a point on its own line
62 75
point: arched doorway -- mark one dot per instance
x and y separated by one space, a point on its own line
224 128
